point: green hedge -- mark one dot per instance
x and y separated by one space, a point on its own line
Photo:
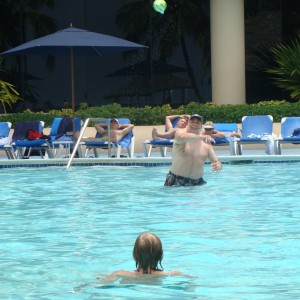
156 115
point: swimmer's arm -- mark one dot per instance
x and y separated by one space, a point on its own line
178 273
182 137
114 275
215 163
174 273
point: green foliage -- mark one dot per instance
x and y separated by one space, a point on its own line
64 112
8 94
287 71
148 115
83 105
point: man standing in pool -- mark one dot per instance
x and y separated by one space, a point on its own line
190 150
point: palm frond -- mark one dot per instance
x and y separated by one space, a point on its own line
287 68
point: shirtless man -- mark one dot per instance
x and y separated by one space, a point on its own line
190 150
117 132
209 129
170 130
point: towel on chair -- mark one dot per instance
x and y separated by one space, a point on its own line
270 150
21 129
5 141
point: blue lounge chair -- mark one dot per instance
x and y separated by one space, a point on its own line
289 126
20 143
163 145
126 143
4 133
4 129
256 130
54 134
226 128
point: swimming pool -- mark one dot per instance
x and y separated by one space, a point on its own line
238 236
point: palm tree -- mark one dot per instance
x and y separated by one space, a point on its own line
164 33
16 18
8 93
287 70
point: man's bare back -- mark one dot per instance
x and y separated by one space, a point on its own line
189 158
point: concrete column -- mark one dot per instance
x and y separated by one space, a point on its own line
227 51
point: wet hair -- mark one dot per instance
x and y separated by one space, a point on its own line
148 252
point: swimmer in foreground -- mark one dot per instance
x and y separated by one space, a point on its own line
148 254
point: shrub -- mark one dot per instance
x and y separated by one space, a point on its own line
148 115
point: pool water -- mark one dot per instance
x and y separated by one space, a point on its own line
237 236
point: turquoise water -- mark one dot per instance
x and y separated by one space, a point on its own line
238 236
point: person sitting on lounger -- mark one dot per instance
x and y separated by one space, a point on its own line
65 129
209 129
170 130
117 132
148 255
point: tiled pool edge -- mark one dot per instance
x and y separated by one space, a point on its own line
140 161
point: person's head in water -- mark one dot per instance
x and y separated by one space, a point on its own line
148 253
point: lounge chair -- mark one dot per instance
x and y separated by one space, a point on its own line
4 133
226 128
256 130
126 143
4 129
20 143
57 145
289 127
163 145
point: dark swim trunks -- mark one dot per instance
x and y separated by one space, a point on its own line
176 180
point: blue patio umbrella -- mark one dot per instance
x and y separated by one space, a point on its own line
74 41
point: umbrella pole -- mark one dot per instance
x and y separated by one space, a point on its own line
72 88
72 81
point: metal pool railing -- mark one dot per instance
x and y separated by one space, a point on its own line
85 125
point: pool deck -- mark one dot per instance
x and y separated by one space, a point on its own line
249 156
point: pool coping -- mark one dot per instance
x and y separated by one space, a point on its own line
139 161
